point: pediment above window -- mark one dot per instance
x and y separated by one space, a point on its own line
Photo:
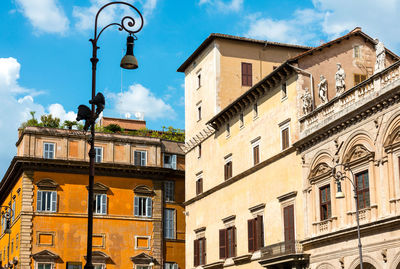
393 138
99 257
45 256
358 153
143 258
99 187
143 189
319 171
47 184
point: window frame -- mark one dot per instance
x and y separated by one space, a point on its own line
284 91
255 150
357 52
98 155
49 263
247 74
48 152
172 221
361 78
200 254
146 206
364 191
228 168
228 249
285 143
171 265
143 161
102 196
53 201
199 185
199 112
325 206
169 191
255 233
173 163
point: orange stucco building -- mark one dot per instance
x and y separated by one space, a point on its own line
138 215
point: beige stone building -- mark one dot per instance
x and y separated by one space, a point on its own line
252 197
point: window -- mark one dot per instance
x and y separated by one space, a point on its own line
142 267
255 110
48 150
169 223
227 243
285 137
169 187
247 74
170 161
74 265
199 151
256 152
199 186
358 78
228 168
325 202
283 89
199 113
356 52
99 266
198 80
46 201
170 265
255 229
362 183
140 157
143 206
241 120
99 154
200 251
100 204
46 266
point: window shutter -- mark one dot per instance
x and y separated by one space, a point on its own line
204 251
148 207
200 185
222 244
249 75
226 171
53 201
173 161
175 266
104 203
137 157
196 252
136 206
250 233
143 158
39 201
234 240
230 169
259 232
256 155
244 77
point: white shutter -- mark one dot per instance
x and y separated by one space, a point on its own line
148 207
51 147
136 206
104 204
175 266
173 161
143 158
53 201
39 201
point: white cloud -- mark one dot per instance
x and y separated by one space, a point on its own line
16 103
45 15
85 16
58 111
224 6
140 99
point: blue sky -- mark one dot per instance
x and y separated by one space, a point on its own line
45 52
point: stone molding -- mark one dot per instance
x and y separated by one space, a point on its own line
26 220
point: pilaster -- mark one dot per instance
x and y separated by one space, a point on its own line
26 220
157 224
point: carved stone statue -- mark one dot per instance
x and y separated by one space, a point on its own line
340 79
380 56
306 98
323 90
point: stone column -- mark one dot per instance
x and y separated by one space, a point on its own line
26 220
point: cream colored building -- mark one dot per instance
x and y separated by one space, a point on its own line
249 155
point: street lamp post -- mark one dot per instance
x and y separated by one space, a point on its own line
97 102
7 214
339 176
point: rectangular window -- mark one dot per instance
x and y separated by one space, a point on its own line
45 266
228 170
170 161
100 204
46 201
228 129
169 223
99 154
48 150
199 151
325 202
99 266
241 119
247 77
256 154
198 80
199 113
284 92
358 78
255 229
362 183
74 265
140 157
143 206
199 186
169 188
285 137
170 265
200 251
356 52
227 243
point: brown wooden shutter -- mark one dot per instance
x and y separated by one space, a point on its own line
363 77
289 226
259 232
138 156
226 171
247 74
196 252
356 79
204 251
201 185
285 138
256 155
230 169
222 244
250 233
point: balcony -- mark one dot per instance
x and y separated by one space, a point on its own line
284 254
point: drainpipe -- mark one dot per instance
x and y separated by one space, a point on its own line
311 83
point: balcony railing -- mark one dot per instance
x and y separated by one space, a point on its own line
281 249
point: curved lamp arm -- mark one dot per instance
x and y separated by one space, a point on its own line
339 175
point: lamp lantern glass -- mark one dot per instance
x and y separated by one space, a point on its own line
339 193
129 61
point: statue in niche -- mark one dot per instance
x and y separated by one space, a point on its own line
306 98
340 77
380 56
323 90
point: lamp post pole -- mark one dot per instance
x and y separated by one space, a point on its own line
340 176
97 104
8 214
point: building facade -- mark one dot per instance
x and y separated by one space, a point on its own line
139 194
257 194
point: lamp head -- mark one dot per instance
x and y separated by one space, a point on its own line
84 113
129 61
339 193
